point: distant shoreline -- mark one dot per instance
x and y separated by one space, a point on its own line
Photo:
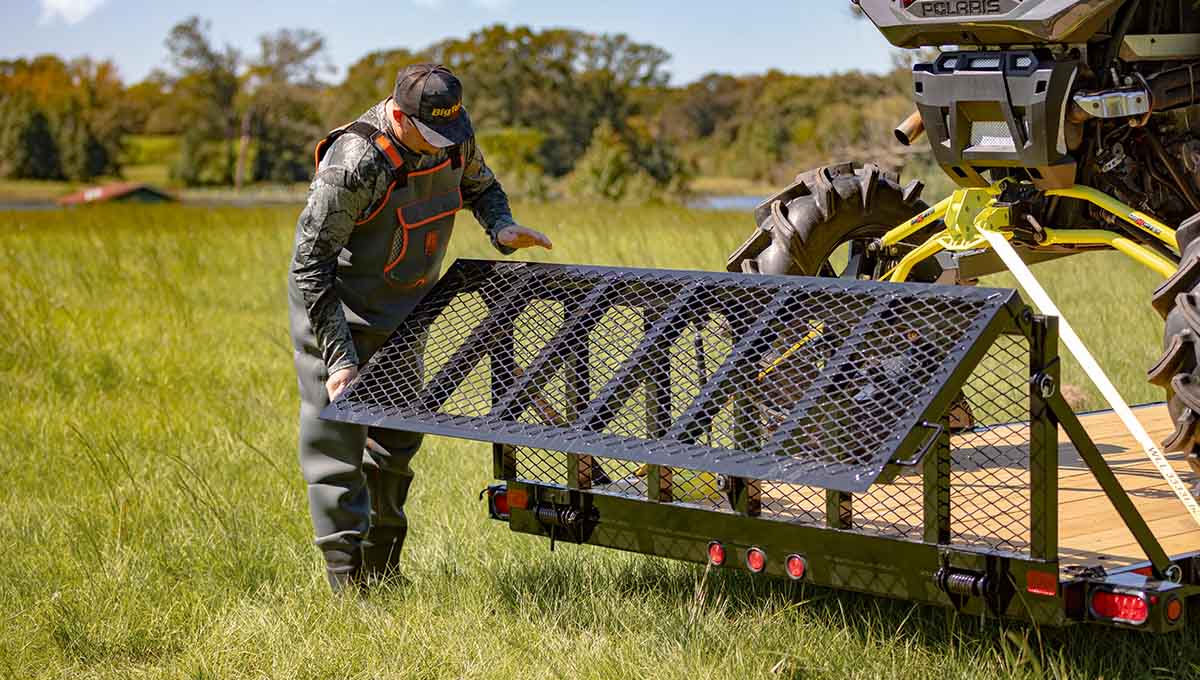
718 202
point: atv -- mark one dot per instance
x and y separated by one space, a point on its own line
1070 126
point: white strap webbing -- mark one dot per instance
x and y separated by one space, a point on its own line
1076 347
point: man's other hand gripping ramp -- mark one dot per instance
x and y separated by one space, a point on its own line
683 369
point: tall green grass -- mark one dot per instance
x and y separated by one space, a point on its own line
154 518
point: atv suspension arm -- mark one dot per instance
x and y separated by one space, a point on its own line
968 213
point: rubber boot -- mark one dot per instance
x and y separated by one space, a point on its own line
381 553
388 477
344 572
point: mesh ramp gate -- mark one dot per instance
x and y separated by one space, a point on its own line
808 381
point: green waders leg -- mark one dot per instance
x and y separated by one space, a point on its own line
389 476
345 504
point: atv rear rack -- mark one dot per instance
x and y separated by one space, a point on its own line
895 439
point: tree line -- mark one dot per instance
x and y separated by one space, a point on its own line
590 114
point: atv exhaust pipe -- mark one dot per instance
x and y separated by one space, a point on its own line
911 129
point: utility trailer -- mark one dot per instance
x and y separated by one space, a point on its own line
902 440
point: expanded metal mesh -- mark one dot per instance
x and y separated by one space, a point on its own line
989 462
793 502
807 381
894 509
543 466
986 468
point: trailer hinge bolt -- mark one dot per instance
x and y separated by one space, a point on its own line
1174 574
1044 384
569 517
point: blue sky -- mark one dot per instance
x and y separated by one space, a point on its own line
800 36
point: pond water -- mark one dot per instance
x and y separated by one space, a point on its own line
720 202
27 205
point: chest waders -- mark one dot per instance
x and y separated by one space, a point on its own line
358 478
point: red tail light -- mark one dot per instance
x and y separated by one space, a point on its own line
1132 608
796 567
716 554
500 501
1174 610
1041 582
518 498
756 560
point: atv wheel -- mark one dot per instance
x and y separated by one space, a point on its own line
801 227
1178 371
801 231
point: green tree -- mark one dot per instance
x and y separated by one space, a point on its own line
615 169
280 105
204 92
149 106
82 155
607 170
513 154
86 119
100 118
27 146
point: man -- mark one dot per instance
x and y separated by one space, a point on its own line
369 244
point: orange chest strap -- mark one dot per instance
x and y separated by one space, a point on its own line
378 139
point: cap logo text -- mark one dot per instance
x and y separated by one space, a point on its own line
446 112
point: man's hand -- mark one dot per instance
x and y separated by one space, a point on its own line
338 381
516 236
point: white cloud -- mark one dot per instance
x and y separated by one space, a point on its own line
69 11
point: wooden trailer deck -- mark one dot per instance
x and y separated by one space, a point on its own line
1090 531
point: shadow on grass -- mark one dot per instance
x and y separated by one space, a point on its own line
577 594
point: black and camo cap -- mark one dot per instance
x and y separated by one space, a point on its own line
432 97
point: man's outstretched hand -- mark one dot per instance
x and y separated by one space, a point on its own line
338 381
516 236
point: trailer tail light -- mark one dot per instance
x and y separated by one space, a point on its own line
796 567
518 498
1174 610
1131 608
756 560
1041 582
716 554
500 501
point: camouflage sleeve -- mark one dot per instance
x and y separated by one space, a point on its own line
346 185
483 193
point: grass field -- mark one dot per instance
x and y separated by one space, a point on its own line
155 524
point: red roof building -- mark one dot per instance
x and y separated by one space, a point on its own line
132 192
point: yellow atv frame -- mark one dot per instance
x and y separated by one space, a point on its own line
970 211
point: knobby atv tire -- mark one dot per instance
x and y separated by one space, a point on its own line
1178 370
802 226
